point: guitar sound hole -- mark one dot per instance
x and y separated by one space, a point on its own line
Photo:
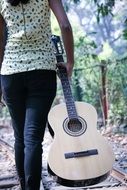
74 125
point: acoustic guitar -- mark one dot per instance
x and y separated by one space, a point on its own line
79 155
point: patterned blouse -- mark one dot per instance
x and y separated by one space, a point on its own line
29 45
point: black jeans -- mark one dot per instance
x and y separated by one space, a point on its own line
29 96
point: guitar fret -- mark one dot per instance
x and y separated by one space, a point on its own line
69 99
71 109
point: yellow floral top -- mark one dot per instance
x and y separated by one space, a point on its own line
29 45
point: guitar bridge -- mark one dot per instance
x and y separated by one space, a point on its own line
81 154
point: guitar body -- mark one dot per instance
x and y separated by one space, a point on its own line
79 155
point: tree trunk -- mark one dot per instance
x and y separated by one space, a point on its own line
104 91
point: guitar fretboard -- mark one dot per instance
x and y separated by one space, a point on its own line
70 104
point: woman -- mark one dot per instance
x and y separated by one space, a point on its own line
28 76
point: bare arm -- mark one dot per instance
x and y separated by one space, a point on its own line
66 31
2 39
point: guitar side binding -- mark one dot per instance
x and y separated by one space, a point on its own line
78 183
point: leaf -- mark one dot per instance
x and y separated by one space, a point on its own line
125 34
95 1
76 1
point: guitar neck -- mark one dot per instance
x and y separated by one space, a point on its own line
59 58
70 104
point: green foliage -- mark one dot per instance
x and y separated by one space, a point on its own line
86 79
86 71
104 9
125 30
76 1
54 25
117 86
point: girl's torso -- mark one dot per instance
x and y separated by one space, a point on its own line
29 43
